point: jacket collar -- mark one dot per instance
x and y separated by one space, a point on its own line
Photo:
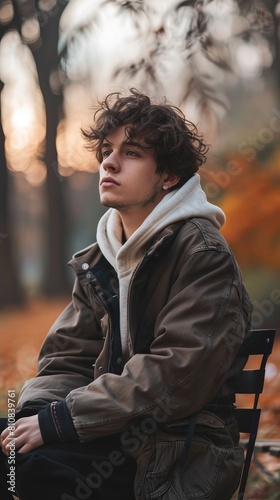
85 259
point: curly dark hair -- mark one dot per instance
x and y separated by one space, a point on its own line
178 148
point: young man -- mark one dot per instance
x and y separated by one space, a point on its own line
132 399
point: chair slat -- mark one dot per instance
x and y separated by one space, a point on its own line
249 382
244 417
257 342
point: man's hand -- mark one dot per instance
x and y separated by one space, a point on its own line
26 437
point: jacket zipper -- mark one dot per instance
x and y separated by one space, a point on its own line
128 302
102 304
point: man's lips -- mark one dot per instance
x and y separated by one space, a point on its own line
108 181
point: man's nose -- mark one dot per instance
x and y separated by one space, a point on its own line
111 162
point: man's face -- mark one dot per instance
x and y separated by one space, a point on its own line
128 178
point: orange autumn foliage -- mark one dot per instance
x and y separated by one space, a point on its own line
251 202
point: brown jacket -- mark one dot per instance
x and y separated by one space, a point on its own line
188 313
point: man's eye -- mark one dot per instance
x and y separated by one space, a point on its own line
106 153
132 153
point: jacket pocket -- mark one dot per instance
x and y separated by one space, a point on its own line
160 480
211 472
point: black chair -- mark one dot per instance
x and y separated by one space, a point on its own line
256 342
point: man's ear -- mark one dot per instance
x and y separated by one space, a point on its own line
170 181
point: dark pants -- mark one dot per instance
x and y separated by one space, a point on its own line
95 470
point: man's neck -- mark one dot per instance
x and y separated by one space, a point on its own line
131 221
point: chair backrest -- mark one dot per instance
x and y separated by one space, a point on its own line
256 342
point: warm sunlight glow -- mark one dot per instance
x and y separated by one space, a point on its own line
6 13
22 117
30 30
72 154
36 173
23 113
46 5
248 58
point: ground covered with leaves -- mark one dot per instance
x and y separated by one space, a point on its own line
23 330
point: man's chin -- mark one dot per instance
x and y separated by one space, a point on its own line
116 205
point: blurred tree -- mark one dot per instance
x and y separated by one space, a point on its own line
38 24
274 9
11 291
216 40
47 61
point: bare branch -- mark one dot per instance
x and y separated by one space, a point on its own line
186 3
217 53
131 6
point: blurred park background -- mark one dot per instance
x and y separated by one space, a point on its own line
219 60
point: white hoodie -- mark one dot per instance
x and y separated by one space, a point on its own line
184 203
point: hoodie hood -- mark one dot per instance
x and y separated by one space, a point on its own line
187 202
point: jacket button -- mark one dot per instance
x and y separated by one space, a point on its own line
85 266
119 361
101 368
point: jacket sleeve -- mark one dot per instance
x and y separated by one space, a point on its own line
66 357
197 335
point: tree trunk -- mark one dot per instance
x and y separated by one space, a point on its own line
46 59
11 292
276 42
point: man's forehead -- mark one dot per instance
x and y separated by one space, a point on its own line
121 134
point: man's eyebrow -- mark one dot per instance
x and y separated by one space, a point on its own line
106 143
128 142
